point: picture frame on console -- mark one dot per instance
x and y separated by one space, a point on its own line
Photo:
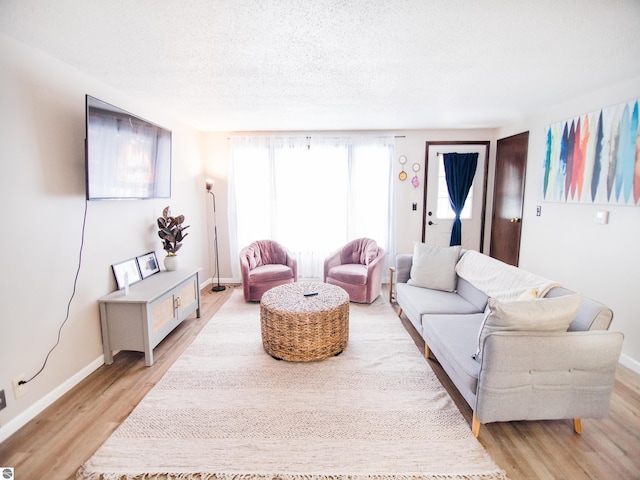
148 264
127 268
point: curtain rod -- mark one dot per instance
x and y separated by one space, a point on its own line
395 136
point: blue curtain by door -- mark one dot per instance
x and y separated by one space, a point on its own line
460 168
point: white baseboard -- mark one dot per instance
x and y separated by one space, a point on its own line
223 281
630 363
30 413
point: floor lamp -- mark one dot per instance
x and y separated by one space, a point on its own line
218 287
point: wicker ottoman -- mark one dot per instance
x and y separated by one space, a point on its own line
301 328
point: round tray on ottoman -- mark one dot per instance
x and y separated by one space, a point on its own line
304 321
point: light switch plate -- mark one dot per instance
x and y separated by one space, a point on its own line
601 217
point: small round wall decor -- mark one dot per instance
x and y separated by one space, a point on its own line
402 175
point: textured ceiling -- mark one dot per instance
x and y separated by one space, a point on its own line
237 65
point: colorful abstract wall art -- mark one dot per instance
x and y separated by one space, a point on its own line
594 158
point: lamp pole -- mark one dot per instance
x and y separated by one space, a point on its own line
218 287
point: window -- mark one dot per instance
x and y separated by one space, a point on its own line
444 205
312 195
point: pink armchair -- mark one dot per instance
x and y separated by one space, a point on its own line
357 267
265 264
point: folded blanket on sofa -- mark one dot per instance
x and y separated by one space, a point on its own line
498 279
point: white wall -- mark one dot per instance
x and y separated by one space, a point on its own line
42 191
216 154
564 244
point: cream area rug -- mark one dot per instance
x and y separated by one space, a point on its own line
227 410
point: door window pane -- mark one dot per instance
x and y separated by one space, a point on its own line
444 210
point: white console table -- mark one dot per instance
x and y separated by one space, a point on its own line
153 308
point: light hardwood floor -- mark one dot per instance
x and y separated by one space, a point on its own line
56 442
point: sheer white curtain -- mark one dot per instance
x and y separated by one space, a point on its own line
311 194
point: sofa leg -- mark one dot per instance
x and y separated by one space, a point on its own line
399 311
577 425
427 351
391 271
475 425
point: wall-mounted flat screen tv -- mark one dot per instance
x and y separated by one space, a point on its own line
127 157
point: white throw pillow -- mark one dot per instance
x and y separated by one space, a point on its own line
529 294
542 314
434 267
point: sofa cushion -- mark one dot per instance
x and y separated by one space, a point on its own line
471 294
418 301
542 314
434 267
352 273
427 301
270 273
452 340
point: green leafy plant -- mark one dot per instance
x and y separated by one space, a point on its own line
171 231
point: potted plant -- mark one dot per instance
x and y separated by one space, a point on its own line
170 231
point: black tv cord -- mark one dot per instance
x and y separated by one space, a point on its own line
73 294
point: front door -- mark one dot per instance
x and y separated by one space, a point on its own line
508 196
437 215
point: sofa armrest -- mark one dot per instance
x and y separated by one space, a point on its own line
333 260
546 375
244 270
374 274
376 266
404 261
292 263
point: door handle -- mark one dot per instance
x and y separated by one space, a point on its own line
515 220
431 223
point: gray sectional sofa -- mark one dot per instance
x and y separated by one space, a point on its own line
524 364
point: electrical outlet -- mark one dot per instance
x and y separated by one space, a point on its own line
3 400
19 390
